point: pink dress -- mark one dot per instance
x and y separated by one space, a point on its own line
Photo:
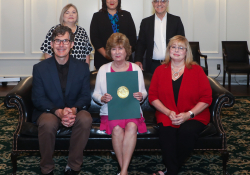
108 125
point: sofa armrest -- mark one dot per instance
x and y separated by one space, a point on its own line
20 97
221 98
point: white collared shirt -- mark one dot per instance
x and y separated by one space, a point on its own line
160 33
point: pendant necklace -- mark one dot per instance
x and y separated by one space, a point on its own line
176 74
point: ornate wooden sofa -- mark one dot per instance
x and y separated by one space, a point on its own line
25 137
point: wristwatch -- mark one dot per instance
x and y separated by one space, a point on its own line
191 114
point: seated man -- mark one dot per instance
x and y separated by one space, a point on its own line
61 96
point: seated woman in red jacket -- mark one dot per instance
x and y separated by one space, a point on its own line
181 93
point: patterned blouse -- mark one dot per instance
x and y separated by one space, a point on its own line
114 21
81 48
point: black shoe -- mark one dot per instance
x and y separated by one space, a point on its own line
51 173
70 172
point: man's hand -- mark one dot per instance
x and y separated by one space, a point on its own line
74 110
139 64
67 116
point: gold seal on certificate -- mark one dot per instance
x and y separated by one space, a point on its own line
121 86
123 92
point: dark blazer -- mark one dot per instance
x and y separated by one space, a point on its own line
146 37
101 29
46 88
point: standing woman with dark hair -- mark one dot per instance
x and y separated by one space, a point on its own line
110 19
82 47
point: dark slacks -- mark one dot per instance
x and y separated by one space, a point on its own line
154 65
48 125
178 143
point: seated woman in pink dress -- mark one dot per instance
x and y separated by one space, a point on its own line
124 131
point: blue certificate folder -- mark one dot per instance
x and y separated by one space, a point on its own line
123 108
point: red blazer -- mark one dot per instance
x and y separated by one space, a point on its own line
194 88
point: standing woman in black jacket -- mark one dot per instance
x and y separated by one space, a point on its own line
110 19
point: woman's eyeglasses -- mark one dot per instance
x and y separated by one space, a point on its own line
160 1
181 49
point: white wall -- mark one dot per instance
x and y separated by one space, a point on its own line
24 24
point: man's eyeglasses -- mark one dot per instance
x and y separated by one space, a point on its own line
181 49
160 1
58 41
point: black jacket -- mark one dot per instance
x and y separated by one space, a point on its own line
46 88
146 37
101 29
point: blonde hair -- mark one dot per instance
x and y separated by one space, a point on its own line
189 56
64 10
118 39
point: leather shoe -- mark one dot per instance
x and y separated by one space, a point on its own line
70 172
51 173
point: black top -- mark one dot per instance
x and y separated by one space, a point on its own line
81 48
62 70
176 88
63 74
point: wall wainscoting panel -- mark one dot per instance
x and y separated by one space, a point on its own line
17 67
23 27
12 37
206 25
43 15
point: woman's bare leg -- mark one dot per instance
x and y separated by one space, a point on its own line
129 143
117 142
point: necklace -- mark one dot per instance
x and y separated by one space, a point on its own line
120 67
176 73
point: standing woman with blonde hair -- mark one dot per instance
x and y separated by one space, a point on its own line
82 47
110 19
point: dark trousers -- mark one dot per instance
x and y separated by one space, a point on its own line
48 125
178 143
154 65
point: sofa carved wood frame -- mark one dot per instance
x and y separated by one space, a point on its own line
25 136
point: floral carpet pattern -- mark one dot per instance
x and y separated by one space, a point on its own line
236 122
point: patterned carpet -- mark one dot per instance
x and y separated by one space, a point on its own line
236 122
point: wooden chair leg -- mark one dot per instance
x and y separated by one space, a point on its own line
247 79
4 83
229 81
14 162
224 77
225 157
